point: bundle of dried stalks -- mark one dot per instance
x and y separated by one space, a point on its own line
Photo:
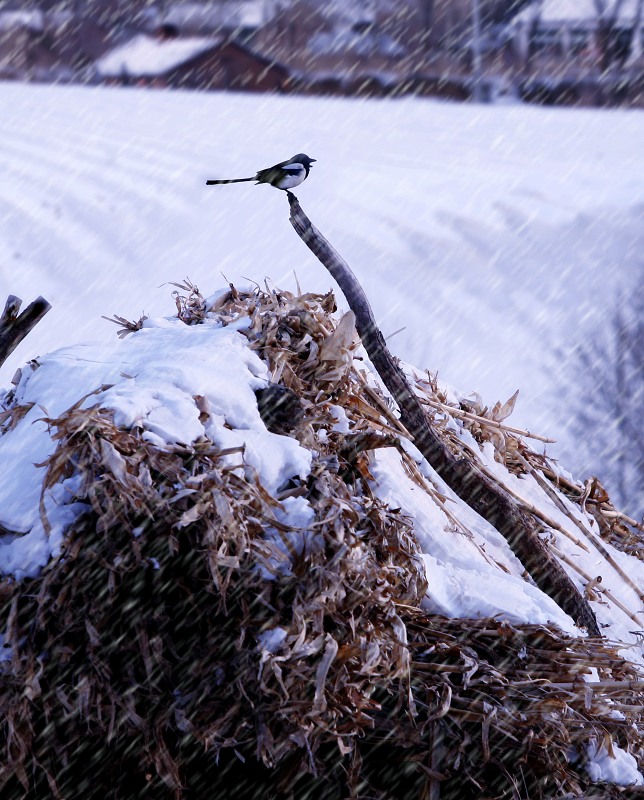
510 448
185 633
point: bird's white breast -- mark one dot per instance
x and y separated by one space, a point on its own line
298 173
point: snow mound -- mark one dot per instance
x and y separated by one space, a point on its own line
227 499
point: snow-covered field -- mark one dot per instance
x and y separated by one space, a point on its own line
491 234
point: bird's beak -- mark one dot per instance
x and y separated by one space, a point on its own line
312 160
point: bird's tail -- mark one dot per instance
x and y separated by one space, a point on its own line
230 180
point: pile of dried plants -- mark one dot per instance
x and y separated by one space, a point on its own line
188 644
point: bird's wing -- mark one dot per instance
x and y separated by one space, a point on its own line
274 174
293 169
268 175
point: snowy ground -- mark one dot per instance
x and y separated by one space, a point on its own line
491 234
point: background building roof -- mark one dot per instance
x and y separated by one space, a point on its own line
149 55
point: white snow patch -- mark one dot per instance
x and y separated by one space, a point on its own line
471 572
271 640
620 768
148 380
578 11
147 55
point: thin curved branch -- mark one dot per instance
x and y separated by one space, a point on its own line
485 496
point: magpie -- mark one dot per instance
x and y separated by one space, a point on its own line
284 175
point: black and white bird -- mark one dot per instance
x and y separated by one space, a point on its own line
285 175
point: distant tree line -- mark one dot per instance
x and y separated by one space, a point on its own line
606 401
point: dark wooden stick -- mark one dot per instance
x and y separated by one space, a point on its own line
485 496
14 326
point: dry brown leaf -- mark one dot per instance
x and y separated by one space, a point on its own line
502 411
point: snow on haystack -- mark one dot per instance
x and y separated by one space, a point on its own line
221 551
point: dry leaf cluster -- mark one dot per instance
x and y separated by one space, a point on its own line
513 451
189 644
